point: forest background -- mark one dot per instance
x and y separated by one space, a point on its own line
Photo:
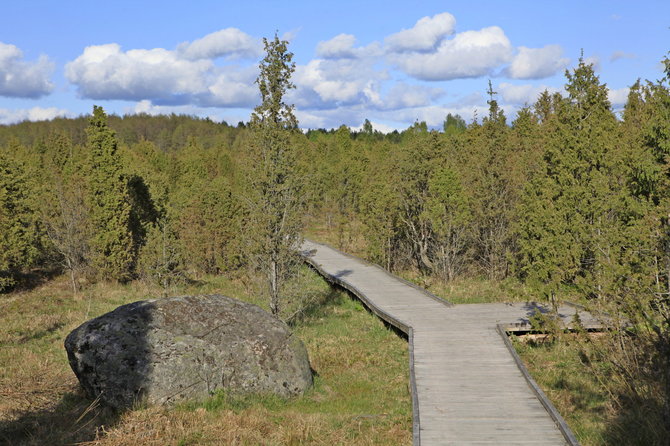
566 198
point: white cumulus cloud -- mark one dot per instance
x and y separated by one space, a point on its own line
522 94
402 95
468 54
324 83
229 42
317 76
593 60
537 63
32 114
187 75
106 72
424 35
233 88
618 97
22 79
342 47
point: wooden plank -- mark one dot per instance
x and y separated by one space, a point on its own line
467 388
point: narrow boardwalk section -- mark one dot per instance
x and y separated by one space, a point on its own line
467 386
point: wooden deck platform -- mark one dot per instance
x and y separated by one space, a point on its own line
468 385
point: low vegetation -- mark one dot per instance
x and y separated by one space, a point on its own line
360 396
594 410
558 369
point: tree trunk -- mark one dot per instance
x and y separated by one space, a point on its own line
274 289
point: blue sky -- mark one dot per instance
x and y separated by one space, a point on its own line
387 61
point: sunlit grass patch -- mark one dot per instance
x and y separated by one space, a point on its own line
472 290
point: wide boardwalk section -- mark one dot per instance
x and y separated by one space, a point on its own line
467 386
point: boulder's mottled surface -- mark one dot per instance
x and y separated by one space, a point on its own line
167 350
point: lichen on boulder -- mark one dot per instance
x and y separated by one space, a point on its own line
167 350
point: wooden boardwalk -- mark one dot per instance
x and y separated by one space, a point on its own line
467 384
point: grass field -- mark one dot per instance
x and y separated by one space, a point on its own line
360 396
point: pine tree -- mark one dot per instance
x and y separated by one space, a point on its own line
112 241
276 201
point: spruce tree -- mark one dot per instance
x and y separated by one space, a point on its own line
276 201
110 203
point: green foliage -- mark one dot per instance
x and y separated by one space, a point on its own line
112 243
380 212
494 194
343 185
453 125
64 212
19 231
160 260
568 215
416 164
208 223
448 212
549 253
274 224
169 164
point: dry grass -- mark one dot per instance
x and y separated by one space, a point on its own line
471 290
347 237
559 366
360 395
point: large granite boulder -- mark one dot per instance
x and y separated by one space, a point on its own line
166 350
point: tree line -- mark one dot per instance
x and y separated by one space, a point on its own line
567 197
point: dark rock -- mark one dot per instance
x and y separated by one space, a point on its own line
166 350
